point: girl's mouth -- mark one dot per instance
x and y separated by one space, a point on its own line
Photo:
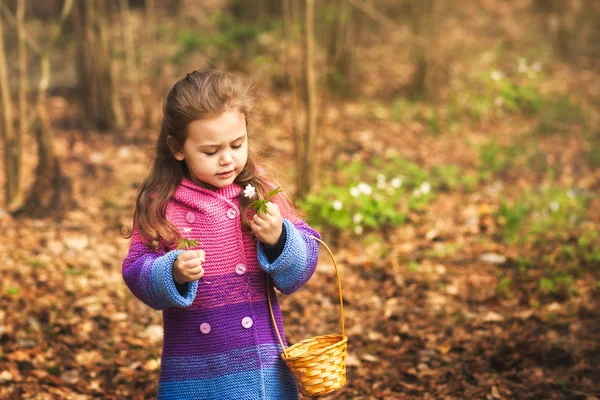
226 174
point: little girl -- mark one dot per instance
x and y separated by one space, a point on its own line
219 339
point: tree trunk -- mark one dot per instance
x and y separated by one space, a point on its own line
22 85
423 28
97 92
288 22
11 149
51 193
132 71
306 175
151 36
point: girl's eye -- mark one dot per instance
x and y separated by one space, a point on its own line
211 154
237 146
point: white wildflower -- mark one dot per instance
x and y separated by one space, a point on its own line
337 205
571 193
522 65
249 191
554 206
417 192
537 66
425 187
357 218
496 75
396 183
358 229
499 101
381 181
187 230
365 188
354 192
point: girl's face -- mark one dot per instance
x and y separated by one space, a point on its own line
216 149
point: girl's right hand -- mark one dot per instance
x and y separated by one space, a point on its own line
188 266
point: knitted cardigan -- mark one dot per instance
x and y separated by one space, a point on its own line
219 339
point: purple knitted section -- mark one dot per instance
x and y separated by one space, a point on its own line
183 336
219 329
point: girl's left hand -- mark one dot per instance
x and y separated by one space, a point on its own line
267 227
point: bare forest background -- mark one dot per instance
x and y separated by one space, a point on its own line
448 151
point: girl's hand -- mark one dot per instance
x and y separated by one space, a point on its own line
188 266
267 227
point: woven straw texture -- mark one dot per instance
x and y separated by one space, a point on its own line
318 363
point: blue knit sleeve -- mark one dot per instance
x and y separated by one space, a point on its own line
298 260
149 276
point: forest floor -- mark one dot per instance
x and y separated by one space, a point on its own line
69 327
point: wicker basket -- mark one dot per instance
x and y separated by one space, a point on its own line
318 363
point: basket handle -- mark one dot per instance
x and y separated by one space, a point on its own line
337 271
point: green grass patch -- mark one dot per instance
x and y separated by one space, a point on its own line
540 214
560 114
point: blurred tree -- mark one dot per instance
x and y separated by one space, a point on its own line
256 10
22 50
338 44
130 60
305 175
9 136
423 25
573 27
51 191
96 79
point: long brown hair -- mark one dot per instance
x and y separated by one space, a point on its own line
201 94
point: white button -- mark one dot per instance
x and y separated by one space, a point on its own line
247 322
240 269
204 328
231 213
190 217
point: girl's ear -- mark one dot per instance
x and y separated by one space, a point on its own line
173 146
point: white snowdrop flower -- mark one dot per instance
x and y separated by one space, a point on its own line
365 188
249 191
380 177
537 66
554 206
522 65
187 230
571 193
381 185
337 205
357 218
417 192
425 187
396 183
354 192
496 75
358 229
499 101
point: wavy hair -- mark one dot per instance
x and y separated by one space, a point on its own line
200 95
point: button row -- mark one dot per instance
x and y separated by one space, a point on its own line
247 323
190 217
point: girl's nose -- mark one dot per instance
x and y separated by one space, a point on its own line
227 158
